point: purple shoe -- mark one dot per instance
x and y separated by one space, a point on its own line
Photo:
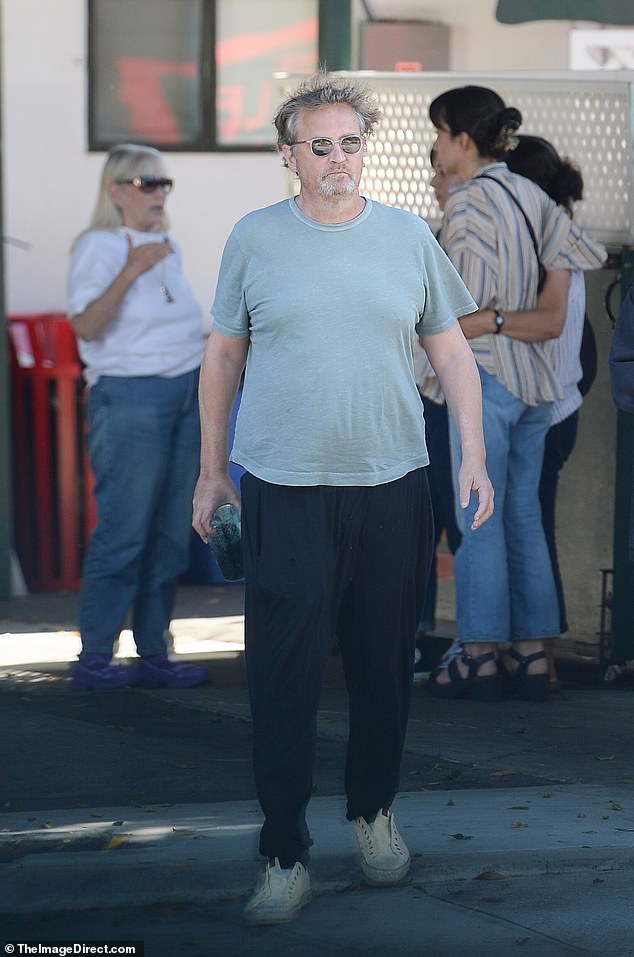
159 671
95 672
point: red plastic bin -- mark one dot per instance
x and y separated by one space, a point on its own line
54 509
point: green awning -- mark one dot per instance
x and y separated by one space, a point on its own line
617 12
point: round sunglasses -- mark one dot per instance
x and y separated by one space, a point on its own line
147 184
323 145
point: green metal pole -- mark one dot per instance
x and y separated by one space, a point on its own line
622 648
335 34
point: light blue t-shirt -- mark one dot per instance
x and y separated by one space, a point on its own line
329 393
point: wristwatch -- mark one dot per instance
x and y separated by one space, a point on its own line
499 321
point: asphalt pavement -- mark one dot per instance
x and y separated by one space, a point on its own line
130 815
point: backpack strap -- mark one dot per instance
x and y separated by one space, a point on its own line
529 226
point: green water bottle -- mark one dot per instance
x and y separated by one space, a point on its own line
225 540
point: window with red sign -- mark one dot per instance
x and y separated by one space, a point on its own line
193 74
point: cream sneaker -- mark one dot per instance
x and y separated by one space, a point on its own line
280 895
385 859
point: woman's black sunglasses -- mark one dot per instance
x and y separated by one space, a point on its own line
147 184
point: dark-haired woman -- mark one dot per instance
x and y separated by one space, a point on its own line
537 159
500 230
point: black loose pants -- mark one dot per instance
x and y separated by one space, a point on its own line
320 562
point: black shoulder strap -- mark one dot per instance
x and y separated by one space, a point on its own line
519 206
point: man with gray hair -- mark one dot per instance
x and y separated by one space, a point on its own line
320 296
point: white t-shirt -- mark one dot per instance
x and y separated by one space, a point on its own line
149 336
329 393
568 350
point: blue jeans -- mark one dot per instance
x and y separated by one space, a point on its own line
144 445
505 590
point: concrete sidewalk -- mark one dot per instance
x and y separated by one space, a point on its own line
545 869
79 858
492 870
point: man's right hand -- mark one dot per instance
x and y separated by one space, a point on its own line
209 494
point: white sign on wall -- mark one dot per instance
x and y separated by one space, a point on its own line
602 49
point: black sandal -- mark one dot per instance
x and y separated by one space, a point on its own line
481 688
519 683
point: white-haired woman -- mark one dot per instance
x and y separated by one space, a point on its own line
140 338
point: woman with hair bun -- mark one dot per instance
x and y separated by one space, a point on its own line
508 240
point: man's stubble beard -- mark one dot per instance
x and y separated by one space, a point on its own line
329 188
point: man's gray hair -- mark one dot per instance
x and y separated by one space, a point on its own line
323 90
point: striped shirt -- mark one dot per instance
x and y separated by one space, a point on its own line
487 239
566 356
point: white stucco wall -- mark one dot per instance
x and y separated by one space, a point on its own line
494 46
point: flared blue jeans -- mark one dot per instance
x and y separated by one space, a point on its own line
505 589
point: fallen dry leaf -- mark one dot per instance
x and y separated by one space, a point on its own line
454 775
507 772
116 842
490 876
519 824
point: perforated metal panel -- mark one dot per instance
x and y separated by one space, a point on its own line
589 117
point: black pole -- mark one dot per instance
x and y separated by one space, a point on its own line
622 648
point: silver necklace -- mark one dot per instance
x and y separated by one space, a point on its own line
167 294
